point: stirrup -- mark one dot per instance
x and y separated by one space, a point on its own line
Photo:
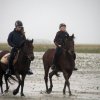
29 72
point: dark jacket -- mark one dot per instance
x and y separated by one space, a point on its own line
60 36
16 39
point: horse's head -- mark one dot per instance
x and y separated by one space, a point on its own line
28 49
69 44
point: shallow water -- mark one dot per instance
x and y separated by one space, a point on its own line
84 83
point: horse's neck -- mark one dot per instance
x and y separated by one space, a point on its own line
22 57
67 56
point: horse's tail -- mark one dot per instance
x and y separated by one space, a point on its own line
12 78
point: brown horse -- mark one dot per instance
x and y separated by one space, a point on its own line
21 66
2 72
65 64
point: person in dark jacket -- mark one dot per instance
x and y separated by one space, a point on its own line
59 42
16 39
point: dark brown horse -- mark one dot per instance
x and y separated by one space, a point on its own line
21 67
65 64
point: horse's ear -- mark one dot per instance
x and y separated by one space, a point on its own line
73 36
32 40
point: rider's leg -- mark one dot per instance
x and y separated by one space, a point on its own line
29 72
54 60
10 62
56 57
74 56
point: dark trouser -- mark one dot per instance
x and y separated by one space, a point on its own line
11 58
58 52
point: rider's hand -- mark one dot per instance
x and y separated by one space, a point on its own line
59 45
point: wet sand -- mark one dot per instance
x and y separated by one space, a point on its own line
84 83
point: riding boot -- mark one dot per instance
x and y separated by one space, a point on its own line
29 72
9 71
10 68
55 59
75 68
74 56
53 66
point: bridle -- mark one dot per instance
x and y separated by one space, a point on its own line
25 53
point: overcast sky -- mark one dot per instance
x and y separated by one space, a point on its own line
41 18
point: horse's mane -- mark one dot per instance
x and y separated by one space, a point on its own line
28 41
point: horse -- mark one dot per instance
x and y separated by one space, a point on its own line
21 66
65 64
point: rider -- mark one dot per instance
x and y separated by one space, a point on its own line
59 42
16 40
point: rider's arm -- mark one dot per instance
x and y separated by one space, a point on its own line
57 40
10 40
57 44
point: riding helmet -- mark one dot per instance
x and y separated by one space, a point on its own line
18 23
61 25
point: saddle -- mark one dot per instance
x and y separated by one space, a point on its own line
5 58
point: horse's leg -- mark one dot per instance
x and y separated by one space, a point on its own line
46 69
22 85
64 89
19 83
66 76
51 85
1 82
6 81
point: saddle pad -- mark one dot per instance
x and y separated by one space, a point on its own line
4 59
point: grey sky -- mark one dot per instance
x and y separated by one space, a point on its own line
41 18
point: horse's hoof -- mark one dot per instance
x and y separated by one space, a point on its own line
2 94
49 91
15 92
64 93
6 91
70 94
22 94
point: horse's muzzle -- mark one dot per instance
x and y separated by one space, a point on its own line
31 57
